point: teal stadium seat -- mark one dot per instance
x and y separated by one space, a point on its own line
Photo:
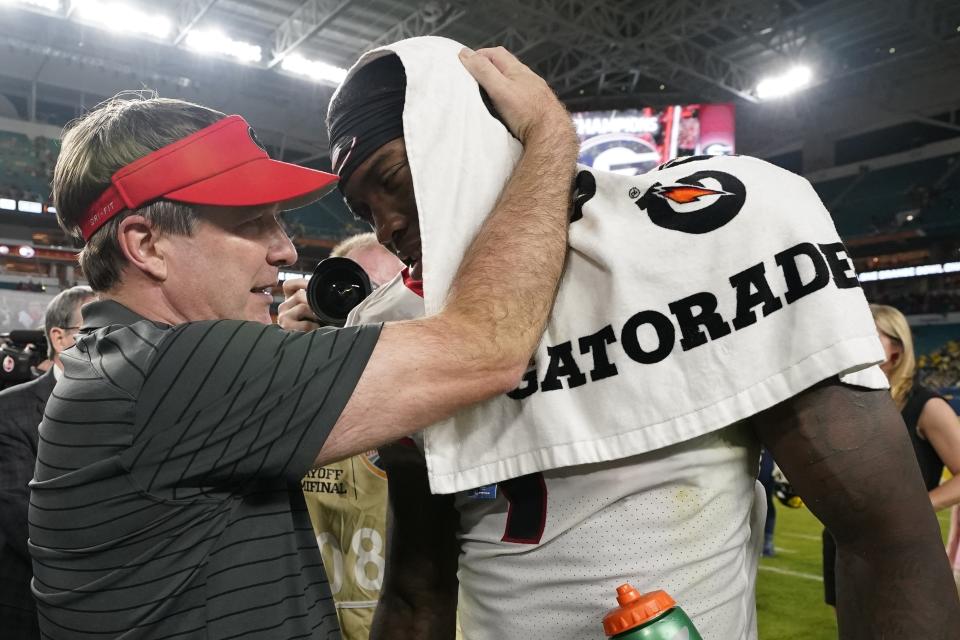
829 190
873 204
328 219
26 164
945 213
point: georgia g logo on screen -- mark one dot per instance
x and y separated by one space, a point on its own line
699 203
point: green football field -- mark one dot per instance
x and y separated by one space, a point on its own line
790 586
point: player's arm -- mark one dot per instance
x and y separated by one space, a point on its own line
938 424
479 344
418 600
846 452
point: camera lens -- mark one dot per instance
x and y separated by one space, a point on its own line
336 287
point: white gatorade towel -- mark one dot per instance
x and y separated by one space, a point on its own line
694 296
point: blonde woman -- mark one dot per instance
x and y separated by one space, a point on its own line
931 424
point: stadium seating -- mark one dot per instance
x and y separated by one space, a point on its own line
327 219
26 166
877 201
830 190
939 366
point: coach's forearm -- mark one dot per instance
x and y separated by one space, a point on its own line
502 295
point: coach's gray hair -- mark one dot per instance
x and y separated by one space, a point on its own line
60 311
125 128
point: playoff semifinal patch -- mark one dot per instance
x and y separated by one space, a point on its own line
371 460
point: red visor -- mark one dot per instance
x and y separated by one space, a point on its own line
221 165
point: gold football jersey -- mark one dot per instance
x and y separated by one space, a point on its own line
347 501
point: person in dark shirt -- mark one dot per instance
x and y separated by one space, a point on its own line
931 424
166 500
21 409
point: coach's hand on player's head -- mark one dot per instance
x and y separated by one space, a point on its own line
295 313
524 100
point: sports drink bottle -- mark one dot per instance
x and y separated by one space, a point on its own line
647 616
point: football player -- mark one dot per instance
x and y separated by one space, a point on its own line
539 556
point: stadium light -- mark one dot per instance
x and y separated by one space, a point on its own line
791 81
8 204
909 272
49 5
287 275
26 251
29 206
314 69
123 18
216 42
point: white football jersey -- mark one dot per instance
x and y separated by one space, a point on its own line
543 554
399 299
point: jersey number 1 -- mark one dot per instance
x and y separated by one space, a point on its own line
527 513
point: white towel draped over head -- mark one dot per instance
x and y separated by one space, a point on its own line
695 295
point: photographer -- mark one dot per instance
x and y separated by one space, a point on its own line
171 506
21 409
380 266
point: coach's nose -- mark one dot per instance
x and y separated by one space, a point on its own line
281 251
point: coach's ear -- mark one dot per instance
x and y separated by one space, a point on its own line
138 240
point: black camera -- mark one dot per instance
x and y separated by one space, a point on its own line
20 353
336 287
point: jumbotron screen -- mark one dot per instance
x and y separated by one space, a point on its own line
634 141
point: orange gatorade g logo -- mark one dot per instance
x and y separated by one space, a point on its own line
699 203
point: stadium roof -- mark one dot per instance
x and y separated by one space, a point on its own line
900 57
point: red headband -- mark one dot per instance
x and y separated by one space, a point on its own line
221 165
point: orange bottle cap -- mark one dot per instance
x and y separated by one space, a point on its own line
635 609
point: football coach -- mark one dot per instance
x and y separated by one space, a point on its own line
166 500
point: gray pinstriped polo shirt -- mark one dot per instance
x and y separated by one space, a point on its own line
166 502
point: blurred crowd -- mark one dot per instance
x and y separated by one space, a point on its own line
913 303
940 369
